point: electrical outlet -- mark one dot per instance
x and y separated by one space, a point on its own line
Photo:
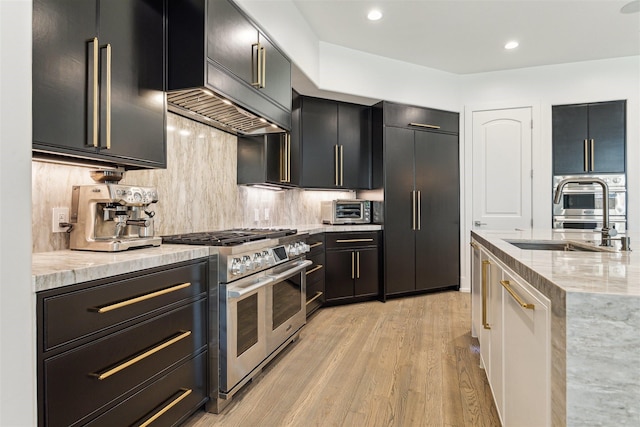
59 215
256 215
266 214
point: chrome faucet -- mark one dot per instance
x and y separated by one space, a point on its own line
607 232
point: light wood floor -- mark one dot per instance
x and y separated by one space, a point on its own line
407 362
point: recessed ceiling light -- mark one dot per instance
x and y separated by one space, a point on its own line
374 15
511 45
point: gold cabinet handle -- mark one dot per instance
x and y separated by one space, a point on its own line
106 374
413 209
263 83
342 165
419 204
96 96
314 269
586 156
108 112
485 265
474 245
315 297
507 285
283 159
353 265
185 392
422 125
353 240
593 155
258 65
315 245
358 265
107 308
288 157
336 162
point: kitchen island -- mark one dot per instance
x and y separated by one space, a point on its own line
595 318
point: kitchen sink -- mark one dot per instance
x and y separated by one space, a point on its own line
555 245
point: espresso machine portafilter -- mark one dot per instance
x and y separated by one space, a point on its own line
111 217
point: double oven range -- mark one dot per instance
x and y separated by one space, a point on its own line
581 205
258 302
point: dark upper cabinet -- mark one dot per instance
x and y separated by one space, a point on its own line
267 159
214 45
98 81
334 141
589 138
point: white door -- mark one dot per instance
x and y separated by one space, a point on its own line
502 169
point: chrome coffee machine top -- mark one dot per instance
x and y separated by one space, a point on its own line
111 217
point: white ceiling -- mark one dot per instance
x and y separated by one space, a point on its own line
468 36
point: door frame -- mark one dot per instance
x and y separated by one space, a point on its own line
540 164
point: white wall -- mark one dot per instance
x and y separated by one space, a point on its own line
17 304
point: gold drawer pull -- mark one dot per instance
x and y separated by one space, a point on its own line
106 374
314 269
174 402
485 265
507 285
315 297
141 298
353 240
473 245
315 245
424 126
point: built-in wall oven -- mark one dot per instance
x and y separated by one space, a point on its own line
581 205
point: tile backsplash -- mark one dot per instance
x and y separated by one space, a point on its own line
197 191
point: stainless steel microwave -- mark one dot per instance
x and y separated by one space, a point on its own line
353 211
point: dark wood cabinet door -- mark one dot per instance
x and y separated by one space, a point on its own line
437 238
607 131
354 136
399 240
277 84
62 85
232 40
570 131
367 274
319 136
339 274
135 31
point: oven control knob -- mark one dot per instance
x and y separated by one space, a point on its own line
258 259
267 257
248 264
293 249
236 267
306 248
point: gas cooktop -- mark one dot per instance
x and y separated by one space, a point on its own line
231 237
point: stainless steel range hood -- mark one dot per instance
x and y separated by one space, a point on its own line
214 110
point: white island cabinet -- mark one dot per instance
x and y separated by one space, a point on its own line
512 322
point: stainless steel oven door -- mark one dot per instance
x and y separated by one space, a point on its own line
243 341
578 202
591 223
286 302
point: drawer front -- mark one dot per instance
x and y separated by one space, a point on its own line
315 271
166 401
356 239
316 243
83 380
75 314
418 118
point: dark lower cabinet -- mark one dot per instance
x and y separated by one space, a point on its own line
589 138
352 266
140 356
98 81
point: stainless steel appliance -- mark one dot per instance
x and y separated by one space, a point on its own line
261 300
580 206
111 217
353 211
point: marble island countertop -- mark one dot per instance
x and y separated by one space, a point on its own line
610 272
595 306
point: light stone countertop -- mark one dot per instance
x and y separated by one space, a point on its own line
595 319
50 270
55 269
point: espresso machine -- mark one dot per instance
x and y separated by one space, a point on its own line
110 217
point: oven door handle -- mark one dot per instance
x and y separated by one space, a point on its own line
299 266
239 292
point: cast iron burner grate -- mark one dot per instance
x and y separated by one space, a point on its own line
228 237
